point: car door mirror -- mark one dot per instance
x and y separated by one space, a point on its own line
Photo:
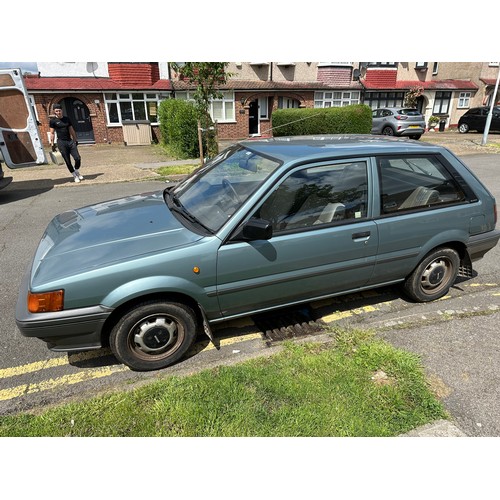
255 229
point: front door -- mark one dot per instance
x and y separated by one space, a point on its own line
253 118
323 242
79 114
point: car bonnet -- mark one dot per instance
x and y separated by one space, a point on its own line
105 233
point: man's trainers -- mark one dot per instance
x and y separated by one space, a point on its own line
80 176
77 178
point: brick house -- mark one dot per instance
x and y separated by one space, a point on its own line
104 98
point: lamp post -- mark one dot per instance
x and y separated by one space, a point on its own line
490 112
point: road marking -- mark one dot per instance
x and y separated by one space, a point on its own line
347 314
82 376
75 378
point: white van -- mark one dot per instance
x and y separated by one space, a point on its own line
20 144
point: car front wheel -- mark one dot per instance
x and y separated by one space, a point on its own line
153 335
434 276
463 128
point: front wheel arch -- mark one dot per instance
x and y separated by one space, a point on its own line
153 334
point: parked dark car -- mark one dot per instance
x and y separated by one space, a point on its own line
398 121
266 224
475 119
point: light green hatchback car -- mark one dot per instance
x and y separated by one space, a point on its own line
266 224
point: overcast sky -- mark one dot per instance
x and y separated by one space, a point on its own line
25 66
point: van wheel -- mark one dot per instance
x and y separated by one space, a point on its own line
434 276
463 128
387 131
153 335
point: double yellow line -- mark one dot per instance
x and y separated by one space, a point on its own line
84 375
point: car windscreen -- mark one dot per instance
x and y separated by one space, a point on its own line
216 191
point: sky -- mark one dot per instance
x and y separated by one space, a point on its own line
25 66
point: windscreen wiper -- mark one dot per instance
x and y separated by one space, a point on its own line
176 206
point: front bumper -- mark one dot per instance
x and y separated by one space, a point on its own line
72 330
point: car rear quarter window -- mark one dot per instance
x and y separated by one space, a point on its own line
415 183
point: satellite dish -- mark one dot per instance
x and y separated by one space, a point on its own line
92 67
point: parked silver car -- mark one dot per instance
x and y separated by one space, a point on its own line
398 121
266 224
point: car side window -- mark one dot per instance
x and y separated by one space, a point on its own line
318 196
412 182
386 112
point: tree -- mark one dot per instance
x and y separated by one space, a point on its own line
207 77
410 100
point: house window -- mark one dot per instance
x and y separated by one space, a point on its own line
132 106
384 99
441 103
263 108
336 99
221 110
435 68
421 65
464 99
287 103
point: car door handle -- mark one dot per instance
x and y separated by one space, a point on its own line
357 236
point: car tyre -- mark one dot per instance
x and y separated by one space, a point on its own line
463 128
434 276
153 335
387 131
416 137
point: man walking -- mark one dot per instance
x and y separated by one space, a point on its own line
66 141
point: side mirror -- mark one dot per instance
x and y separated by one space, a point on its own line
255 229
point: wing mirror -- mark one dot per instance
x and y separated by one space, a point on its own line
255 229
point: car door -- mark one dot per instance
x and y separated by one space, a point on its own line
20 142
376 121
495 119
323 241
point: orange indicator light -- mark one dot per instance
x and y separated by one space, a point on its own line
196 270
46 302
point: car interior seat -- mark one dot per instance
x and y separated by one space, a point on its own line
420 197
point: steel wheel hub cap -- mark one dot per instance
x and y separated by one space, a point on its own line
155 335
434 274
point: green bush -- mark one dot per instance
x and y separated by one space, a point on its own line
354 119
179 127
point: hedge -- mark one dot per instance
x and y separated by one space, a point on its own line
354 119
179 127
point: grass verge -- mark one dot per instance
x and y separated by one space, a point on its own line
355 386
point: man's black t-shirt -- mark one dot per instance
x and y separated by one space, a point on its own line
61 126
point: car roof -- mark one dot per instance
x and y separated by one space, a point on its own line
331 146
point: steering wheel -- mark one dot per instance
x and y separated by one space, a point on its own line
231 191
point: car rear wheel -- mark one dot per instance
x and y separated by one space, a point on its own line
388 131
434 276
416 137
153 335
463 128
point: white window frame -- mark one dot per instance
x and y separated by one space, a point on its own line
131 97
336 98
228 106
464 100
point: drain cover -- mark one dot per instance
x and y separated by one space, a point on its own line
288 323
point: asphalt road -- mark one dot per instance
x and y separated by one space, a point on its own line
457 338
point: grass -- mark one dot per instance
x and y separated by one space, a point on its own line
176 170
357 385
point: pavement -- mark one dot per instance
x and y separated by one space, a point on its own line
111 163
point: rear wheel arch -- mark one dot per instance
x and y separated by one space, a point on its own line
449 259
